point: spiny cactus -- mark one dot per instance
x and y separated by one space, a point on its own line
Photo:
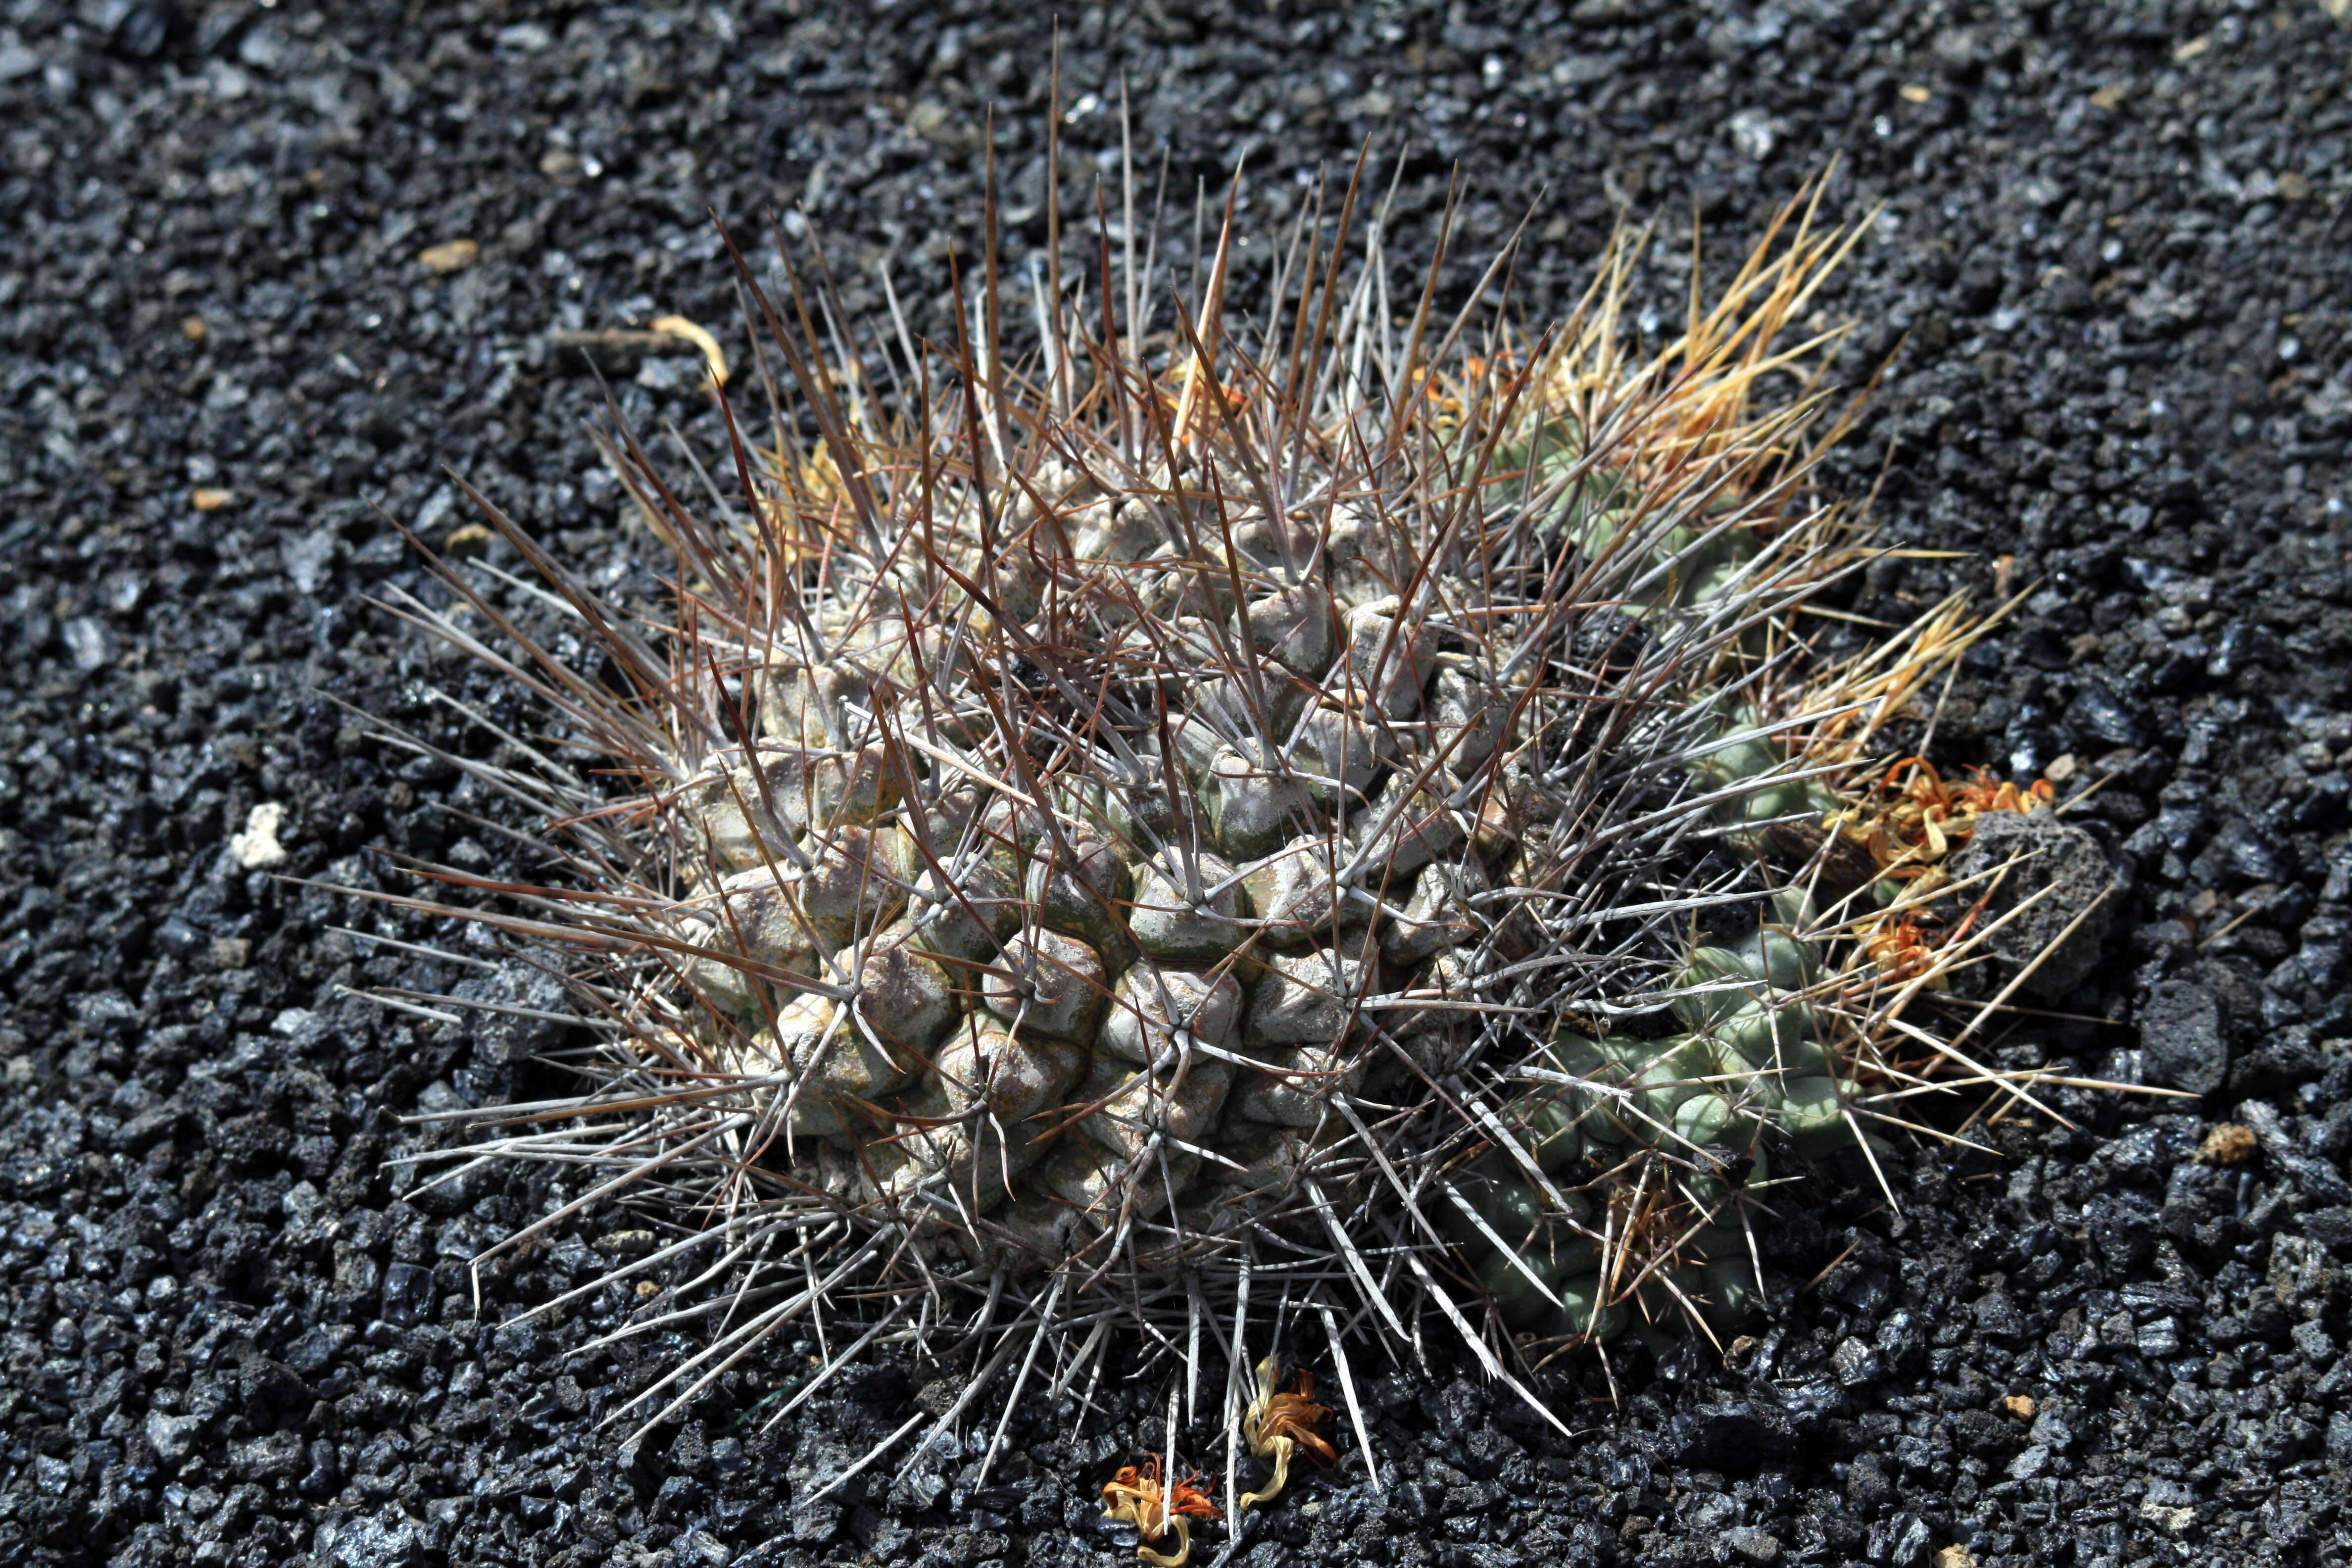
1616 1203
1139 831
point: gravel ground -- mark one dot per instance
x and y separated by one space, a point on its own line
2106 262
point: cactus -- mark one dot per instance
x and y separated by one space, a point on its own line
1101 830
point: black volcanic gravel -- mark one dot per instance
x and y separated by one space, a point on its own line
2108 263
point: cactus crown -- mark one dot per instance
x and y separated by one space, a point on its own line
1211 813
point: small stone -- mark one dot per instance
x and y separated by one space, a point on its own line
1752 1545
626 1243
1855 1362
407 1293
2317 1179
173 1437
310 557
2227 1144
1737 1436
269 1456
2052 1433
258 845
2299 1274
1955 1556
2181 1036
452 256
1901 1541
512 1023
2331 1227
1981 1432
2021 1406
206 500
310 1353
387 1540
2047 854
86 639
1997 1314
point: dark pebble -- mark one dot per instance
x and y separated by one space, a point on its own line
2055 942
2181 1043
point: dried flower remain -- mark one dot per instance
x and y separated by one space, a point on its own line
1138 1497
1276 1426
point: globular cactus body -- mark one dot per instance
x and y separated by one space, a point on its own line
1180 956
1118 834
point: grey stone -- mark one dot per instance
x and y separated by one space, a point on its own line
407 1293
2052 1433
2181 1038
2300 1276
2317 1179
173 1437
1737 1436
1997 1314
1855 1362
386 1540
2051 854
2331 1227
271 1455
512 1036
1901 1541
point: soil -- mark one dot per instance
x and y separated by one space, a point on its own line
2103 270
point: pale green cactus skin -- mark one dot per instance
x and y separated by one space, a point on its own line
1748 1076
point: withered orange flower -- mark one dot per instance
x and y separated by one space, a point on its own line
1138 1497
1917 818
1276 1426
1902 949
